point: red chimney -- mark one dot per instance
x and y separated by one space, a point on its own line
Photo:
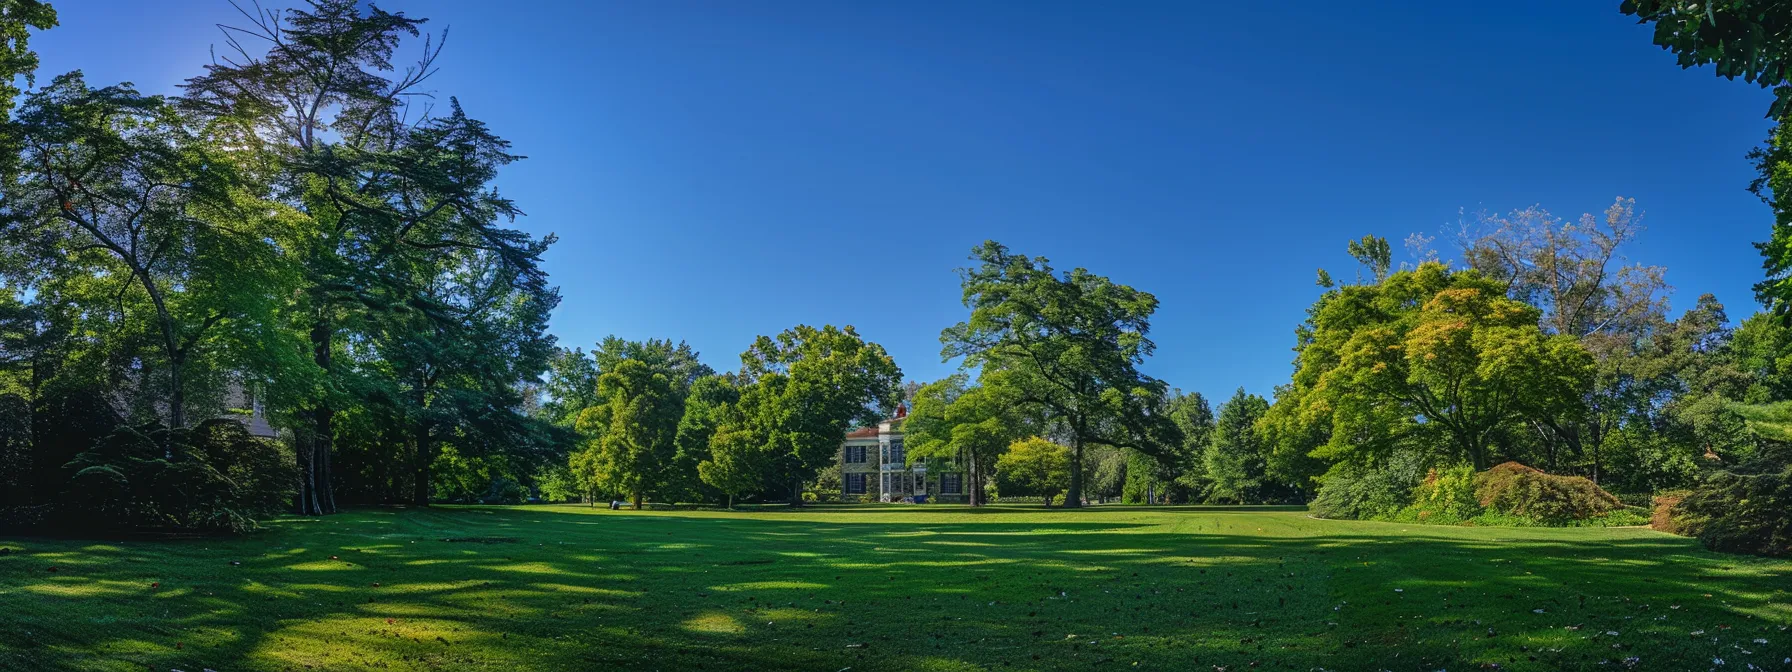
901 411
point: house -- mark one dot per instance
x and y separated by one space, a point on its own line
244 406
874 464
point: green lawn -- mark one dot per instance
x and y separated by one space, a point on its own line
888 588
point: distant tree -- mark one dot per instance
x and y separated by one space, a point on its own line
1426 351
1066 348
1194 416
953 420
710 398
1034 466
1236 459
636 423
800 391
571 386
742 448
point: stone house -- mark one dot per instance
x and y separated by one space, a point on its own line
874 464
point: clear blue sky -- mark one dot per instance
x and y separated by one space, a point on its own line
717 170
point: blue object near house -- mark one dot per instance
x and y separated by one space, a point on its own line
920 499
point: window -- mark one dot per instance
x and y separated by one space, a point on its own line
855 483
897 454
951 484
855 454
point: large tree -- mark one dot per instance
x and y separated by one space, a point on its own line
132 212
1236 458
955 420
1429 353
1066 348
379 182
17 19
637 427
800 391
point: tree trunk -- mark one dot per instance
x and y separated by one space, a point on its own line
637 500
316 497
796 493
420 480
1073 498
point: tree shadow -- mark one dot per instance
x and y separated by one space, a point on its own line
567 588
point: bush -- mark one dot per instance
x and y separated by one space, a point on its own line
1667 516
1445 498
1519 491
1365 492
1744 510
213 478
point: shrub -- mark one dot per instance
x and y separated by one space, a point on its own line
1520 491
1445 497
1367 492
212 478
1668 517
1747 509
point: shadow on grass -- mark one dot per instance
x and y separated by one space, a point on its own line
871 588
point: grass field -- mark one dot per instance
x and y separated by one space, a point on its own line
889 588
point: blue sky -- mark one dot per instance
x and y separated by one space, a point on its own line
717 170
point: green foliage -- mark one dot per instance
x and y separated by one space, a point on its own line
1428 357
556 484
1445 497
1519 491
636 426
1034 467
1066 349
953 420
800 391
1751 39
1235 458
1368 491
215 479
17 19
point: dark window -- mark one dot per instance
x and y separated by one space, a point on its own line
855 454
897 455
855 483
951 484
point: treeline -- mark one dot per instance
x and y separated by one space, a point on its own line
303 229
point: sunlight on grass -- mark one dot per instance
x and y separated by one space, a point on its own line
715 623
767 585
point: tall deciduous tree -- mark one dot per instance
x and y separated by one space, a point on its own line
1065 348
1034 466
637 427
1432 352
954 420
116 185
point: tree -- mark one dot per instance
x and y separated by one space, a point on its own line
953 420
17 19
1577 276
380 186
742 450
1751 39
637 425
807 387
1426 352
117 185
571 386
1235 460
1034 466
1066 349
710 397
